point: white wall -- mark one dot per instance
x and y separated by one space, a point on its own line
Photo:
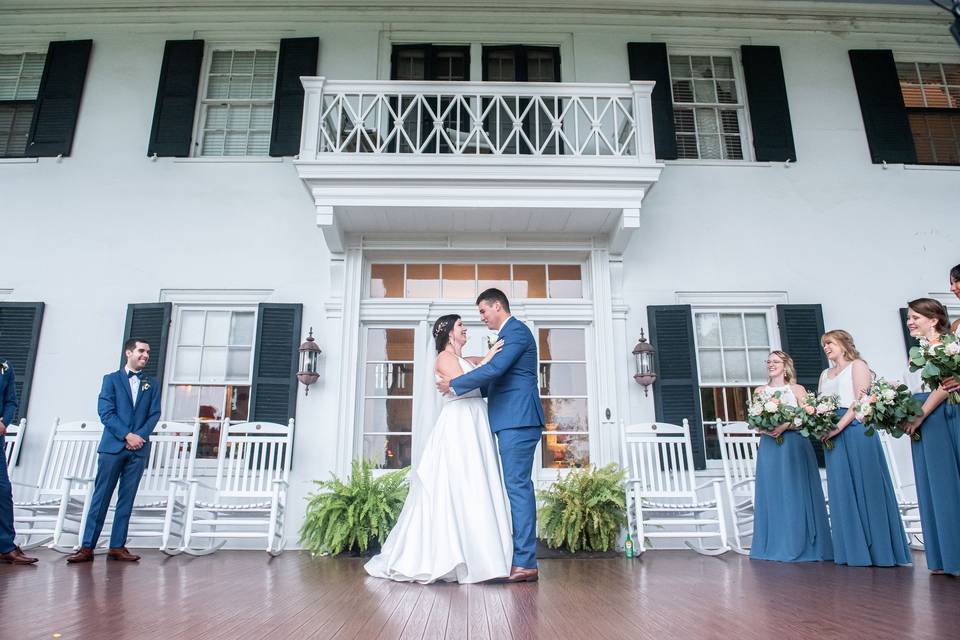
107 226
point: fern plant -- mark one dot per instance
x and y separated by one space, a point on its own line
349 516
586 510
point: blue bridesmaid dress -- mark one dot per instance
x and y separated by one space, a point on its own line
790 516
864 516
936 466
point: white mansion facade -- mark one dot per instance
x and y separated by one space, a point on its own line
220 177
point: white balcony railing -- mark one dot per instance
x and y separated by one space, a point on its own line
525 121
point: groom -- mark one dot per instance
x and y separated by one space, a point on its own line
509 381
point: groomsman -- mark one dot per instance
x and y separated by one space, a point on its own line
129 408
10 553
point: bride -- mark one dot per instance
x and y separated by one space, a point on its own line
455 523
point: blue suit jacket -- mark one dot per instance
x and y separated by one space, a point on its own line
8 394
509 381
120 417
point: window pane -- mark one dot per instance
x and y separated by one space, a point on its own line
238 405
459 281
211 402
393 452
386 281
682 91
242 326
188 363
704 91
758 364
494 276
710 147
757 334
710 401
702 67
382 414
736 365
501 66
390 344
385 379
565 414
562 344
14 129
563 379
564 451
711 369
185 399
680 67
214 365
565 281
737 403
221 61
723 67
708 329
529 281
423 281
191 328
410 64
731 329
238 364
218 328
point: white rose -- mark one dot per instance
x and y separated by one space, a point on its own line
770 406
798 421
953 348
823 408
888 394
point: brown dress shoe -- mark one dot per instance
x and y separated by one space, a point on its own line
85 554
519 574
16 556
121 554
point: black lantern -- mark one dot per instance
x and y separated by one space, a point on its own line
309 360
643 353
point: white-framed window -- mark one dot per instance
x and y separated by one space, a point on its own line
387 396
732 346
209 369
20 75
235 110
931 95
564 394
709 106
465 281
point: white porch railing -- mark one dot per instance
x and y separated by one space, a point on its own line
524 121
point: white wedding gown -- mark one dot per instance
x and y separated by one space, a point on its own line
455 523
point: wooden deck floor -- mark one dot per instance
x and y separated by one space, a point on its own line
667 594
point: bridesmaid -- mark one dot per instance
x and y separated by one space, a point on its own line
936 456
864 517
790 516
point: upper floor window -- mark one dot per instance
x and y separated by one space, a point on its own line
466 281
236 102
709 110
931 94
19 83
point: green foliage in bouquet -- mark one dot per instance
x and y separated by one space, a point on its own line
938 363
586 510
886 406
767 411
348 516
819 417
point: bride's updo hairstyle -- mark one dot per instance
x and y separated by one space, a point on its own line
442 328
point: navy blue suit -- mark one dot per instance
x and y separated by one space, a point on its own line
117 464
510 383
8 409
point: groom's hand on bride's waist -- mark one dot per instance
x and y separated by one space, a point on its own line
443 385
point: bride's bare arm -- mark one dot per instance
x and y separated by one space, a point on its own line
448 367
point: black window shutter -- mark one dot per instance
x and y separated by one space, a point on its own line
649 61
298 57
58 99
149 322
801 327
19 337
908 340
769 110
273 397
676 392
176 103
881 104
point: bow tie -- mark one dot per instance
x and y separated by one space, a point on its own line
130 374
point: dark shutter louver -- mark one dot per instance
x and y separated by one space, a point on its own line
58 99
908 340
19 338
649 61
801 327
881 104
149 322
767 99
176 103
273 397
676 393
298 57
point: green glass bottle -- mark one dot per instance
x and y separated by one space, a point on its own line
628 547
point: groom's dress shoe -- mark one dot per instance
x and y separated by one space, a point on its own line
85 554
121 554
519 574
16 556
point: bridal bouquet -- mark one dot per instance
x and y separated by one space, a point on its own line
768 411
886 406
938 363
819 417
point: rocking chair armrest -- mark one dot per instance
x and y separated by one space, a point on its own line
280 481
193 481
23 484
707 484
742 483
78 480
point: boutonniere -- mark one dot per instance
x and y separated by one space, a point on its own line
3 367
144 385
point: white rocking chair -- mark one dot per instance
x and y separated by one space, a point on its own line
13 440
661 489
738 452
58 498
160 503
249 496
909 510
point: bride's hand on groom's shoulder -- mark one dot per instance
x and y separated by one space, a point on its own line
494 351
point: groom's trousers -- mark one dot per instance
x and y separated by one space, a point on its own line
7 533
124 468
517 448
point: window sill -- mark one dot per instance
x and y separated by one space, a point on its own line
19 160
228 160
929 167
720 163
